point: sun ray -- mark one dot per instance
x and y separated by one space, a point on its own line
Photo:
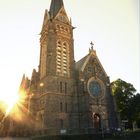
10 103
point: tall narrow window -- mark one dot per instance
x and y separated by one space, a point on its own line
60 87
65 87
62 58
61 123
58 57
61 107
66 107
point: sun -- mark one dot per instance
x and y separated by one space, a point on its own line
9 101
13 106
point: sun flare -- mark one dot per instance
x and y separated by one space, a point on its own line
9 101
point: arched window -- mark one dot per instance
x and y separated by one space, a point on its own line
62 58
58 56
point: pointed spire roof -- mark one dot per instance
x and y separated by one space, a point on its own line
55 7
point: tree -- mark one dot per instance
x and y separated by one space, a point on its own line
134 109
123 93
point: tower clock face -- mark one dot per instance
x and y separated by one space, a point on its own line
94 88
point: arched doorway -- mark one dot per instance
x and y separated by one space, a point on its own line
97 121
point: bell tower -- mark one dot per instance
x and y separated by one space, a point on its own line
56 85
56 42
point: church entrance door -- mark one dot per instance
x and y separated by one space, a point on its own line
97 121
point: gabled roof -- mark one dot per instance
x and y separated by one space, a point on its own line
81 64
55 6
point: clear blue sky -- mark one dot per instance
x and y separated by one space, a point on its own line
113 26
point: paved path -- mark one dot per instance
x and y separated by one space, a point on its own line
14 138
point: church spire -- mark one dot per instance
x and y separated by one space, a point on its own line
55 7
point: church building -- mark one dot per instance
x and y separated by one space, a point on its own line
64 96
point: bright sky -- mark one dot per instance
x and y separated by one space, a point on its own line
112 25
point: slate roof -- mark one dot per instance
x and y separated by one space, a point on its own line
81 62
55 7
80 65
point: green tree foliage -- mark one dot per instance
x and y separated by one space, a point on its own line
123 93
128 102
134 109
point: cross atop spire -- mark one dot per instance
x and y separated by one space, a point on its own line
91 50
55 7
91 45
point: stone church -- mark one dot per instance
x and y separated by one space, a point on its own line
64 96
